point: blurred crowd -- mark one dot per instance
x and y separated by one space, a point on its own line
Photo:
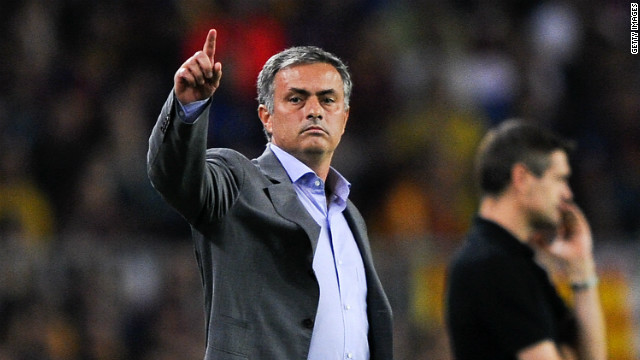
94 265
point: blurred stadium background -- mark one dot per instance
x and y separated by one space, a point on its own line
93 265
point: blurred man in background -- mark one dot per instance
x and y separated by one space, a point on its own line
283 254
500 301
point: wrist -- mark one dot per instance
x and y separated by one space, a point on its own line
582 270
585 284
583 275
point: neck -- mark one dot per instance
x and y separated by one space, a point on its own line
320 164
506 214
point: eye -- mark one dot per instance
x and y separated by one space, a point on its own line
295 99
329 100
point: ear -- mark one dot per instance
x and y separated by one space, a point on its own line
346 117
520 177
265 117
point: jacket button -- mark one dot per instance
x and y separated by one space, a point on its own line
307 323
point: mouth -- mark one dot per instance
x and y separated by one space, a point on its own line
314 130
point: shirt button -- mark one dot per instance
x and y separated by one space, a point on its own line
347 307
349 356
317 183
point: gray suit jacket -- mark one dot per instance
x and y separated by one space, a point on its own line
254 244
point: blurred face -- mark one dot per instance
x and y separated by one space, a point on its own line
309 115
546 194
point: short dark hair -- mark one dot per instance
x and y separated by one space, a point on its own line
511 142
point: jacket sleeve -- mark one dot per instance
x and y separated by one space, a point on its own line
201 185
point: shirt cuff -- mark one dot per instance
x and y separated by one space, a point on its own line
189 113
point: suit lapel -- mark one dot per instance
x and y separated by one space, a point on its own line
284 197
378 306
358 227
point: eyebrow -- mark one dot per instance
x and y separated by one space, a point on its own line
307 93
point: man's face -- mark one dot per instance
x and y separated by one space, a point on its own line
309 115
547 193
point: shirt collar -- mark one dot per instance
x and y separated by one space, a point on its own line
298 171
501 237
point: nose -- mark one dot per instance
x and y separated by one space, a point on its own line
314 109
568 193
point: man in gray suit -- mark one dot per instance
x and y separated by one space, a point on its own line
283 254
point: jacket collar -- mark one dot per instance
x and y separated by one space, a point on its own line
284 197
271 167
285 201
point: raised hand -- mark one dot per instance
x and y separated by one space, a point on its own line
573 243
573 240
199 76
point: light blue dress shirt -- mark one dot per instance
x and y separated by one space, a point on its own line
190 112
341 324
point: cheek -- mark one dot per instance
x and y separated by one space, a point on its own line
282 131
538 196
276 125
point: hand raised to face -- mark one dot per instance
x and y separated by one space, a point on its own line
199 76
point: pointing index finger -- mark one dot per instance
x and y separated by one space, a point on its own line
210 45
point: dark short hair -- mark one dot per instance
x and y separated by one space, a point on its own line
511 142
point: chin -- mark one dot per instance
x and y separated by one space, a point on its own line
316 148
315 151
